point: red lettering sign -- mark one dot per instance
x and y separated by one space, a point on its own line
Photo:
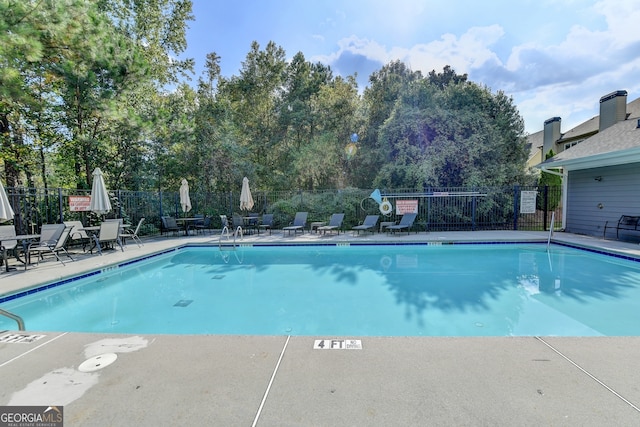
79 203
406 206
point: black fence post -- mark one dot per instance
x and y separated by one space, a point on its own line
473 213
545 199
60 205
516 190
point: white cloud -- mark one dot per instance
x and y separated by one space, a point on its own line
564 79
622 19
462 54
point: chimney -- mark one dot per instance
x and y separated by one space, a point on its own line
613 108
550 136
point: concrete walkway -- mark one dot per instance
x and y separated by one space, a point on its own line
284 381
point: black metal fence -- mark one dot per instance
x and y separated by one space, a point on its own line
511 208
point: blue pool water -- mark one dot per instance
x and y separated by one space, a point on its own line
399 290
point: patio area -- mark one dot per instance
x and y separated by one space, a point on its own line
284 381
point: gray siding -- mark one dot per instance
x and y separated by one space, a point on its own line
618 193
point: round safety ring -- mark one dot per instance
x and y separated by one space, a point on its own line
385 262
385 207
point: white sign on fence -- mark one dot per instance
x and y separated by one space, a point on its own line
528 201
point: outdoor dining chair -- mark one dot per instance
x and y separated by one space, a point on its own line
266 224
132 234
205 224
109 236
8 242
169 223
78 234
53 238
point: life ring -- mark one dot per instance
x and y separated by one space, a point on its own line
385 262
385 207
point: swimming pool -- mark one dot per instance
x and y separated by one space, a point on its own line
357 290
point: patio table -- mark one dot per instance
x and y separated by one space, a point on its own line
314 225
25 238
186 222
385 224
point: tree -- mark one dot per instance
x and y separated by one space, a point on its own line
34 37
446 78
548 180
253 99
321 162
76 78
379 100
452 134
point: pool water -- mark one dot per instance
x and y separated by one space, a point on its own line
399 290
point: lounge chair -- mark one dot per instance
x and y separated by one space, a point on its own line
299 222
8 242
169 223
335 223
78 235
369 224
267 223
406 222
132 234
48 245
109 235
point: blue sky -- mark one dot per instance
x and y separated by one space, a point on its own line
555 58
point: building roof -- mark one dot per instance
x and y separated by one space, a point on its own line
618 144
591 126
534 143
633 109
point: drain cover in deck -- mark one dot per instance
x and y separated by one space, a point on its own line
98 362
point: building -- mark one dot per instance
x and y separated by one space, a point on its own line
599 161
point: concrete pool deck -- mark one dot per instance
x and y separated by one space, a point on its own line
283 381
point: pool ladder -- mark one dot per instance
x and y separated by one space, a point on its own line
553 220
15 317
237 232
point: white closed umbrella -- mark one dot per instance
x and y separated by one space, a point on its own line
6 211
100 202
185 201
246 200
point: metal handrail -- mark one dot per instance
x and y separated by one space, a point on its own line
553 220
15 317
226 228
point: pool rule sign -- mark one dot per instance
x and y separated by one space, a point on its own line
337 344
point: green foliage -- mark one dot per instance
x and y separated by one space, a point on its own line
320 205
451 133
87 84
548 180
